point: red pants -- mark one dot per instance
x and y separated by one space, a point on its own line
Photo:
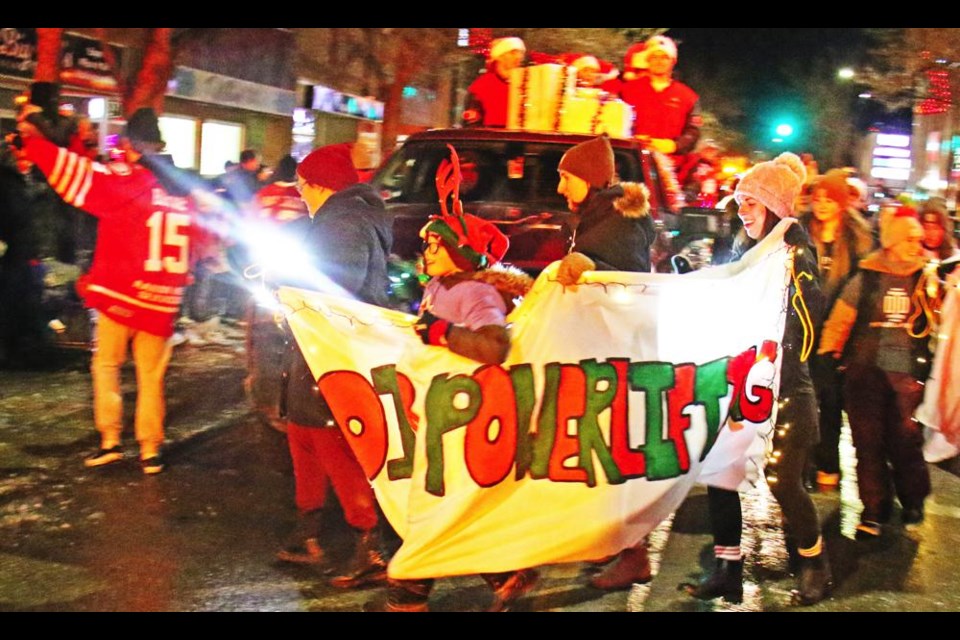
320 457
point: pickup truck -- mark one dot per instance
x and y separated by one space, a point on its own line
510 178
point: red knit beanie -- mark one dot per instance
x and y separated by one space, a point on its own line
330 167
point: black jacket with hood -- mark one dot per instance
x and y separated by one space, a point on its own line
348 240
615 229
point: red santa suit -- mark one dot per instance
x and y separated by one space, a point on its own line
487 104
673 113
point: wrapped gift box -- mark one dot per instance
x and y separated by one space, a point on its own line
594 115
537 95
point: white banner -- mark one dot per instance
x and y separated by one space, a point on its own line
585 439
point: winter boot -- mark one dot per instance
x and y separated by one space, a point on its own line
403 596
631 567
815 581
303 544
368 565
726 581
509 587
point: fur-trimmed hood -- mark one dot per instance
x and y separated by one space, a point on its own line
634 201
510 282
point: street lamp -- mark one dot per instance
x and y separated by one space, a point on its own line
845 73
784 130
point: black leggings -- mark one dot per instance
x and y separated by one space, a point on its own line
799 512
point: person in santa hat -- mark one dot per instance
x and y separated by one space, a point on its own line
634 67
592 72
464 309
667 112
487 96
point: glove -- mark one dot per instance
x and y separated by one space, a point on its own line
42 112
572 267
681 264
663 145
432 330
796 236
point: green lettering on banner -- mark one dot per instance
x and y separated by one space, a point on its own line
711 385
630 462
546 422
442 416
386 380
525 395
591 439
654 378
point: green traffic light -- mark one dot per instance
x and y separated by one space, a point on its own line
784 130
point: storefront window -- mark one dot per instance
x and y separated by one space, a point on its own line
180 134
220 142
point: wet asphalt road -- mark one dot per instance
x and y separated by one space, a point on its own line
201 536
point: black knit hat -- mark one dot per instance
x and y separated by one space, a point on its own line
144 126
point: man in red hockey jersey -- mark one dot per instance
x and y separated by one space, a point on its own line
140 268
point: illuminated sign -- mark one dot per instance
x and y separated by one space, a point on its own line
332 101
892 140
891 152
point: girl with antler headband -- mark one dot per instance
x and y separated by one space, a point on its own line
464 308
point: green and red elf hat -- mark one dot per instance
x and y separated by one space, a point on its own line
473 243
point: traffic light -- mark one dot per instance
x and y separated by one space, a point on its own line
783 130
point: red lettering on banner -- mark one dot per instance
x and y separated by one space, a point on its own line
759 410
489 460
631 463
358 411
571 403
678 399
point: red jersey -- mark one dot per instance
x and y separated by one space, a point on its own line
142 257
279 202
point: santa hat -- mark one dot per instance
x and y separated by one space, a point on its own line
581 62
473 243
858 189
631 65
591 161
834 183
661 43
501 46
330 166
897 225
775 184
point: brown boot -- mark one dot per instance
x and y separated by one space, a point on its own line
631 567
303 544
368 565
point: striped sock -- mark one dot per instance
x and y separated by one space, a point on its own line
733 554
